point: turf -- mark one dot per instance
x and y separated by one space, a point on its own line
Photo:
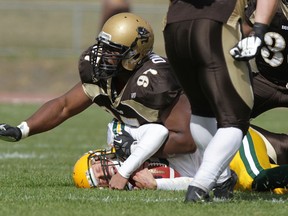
36 175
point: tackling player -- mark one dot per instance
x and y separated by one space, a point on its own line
121 74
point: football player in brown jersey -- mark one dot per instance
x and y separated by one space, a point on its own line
270 66
198 40
121 74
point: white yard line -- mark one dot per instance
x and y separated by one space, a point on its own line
16 155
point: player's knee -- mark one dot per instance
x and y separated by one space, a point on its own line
242 125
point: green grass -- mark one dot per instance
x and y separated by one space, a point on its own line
41 39
274 120
36 175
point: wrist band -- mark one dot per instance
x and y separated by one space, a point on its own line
24 129
259 30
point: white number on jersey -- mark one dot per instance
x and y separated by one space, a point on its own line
143 80
272 53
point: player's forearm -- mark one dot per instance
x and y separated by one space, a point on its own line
180 139
56 111
177 143
265 10
48 116
151 137
180 183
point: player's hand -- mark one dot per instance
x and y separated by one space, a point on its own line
144 180
9 133
118 182
250 46
246 49
122 143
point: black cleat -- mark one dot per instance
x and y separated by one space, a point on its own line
225 189
195 194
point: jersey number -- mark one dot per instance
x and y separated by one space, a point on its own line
272 54
143 80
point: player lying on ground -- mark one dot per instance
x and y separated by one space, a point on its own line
251 164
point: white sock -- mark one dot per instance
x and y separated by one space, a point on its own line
217 157
202 129
226 174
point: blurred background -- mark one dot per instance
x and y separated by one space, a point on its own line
41 41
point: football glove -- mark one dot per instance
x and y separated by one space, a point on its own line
122 143
250 46
9 133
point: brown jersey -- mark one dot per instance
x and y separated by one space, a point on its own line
150 90
272 62
181 10
271 80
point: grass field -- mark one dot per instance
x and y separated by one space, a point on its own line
36 175
41 39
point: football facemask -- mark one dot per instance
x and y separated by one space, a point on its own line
84 174
106 58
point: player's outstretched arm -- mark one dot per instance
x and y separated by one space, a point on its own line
49 115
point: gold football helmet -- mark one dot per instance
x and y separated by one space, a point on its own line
83 175
123 42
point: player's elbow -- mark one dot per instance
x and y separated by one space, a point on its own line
184 143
